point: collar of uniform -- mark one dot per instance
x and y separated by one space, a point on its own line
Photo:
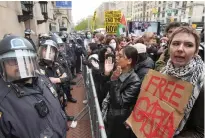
124 76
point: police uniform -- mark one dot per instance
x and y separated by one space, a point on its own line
56 71
20 118
48 52
29 106
65 61
62 59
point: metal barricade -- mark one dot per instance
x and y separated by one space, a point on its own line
96 121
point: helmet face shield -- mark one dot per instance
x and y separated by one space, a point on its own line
48 53
61 47
18 64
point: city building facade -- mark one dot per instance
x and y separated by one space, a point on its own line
168 11
39 16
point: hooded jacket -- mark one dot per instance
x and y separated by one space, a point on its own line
143 67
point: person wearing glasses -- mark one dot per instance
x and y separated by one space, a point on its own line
123 90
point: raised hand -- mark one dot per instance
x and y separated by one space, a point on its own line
109 65
116 73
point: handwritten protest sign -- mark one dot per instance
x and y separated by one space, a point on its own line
160 106
112 19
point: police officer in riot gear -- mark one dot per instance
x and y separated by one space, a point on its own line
63 59
29 106
69 53
48 53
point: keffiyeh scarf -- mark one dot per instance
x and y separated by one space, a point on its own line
193 72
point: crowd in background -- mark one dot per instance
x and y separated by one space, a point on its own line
42 77
119 65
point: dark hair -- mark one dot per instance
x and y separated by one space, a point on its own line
93 46
189 30
86 34
172 25
141 57
102 51
108 39
131 53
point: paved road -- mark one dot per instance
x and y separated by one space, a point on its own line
83 127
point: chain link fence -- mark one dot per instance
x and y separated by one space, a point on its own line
96 121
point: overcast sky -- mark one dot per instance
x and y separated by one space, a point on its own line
83 8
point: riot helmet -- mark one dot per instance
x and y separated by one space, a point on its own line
63 36
48 51
6 35
17 59
42 37
60 43
27 32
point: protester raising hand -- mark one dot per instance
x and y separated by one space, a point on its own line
116 73
109 65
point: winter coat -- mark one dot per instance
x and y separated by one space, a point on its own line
194 127
123 95
143 67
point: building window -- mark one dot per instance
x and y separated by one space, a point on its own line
159 10
176 13
163 14
159 2
184 4
176 4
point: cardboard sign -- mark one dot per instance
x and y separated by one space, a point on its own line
112 19
160 106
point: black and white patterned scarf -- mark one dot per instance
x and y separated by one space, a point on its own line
193 72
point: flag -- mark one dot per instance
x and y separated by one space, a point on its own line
122 27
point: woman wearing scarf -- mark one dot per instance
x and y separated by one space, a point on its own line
187 65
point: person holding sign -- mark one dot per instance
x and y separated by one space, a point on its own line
123 91
187 65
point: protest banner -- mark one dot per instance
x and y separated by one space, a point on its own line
160 106
112 19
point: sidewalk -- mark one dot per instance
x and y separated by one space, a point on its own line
83 127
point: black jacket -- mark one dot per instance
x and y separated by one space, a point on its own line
152 52
20 118
71 55
124 91
143 67
123 95
194 127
